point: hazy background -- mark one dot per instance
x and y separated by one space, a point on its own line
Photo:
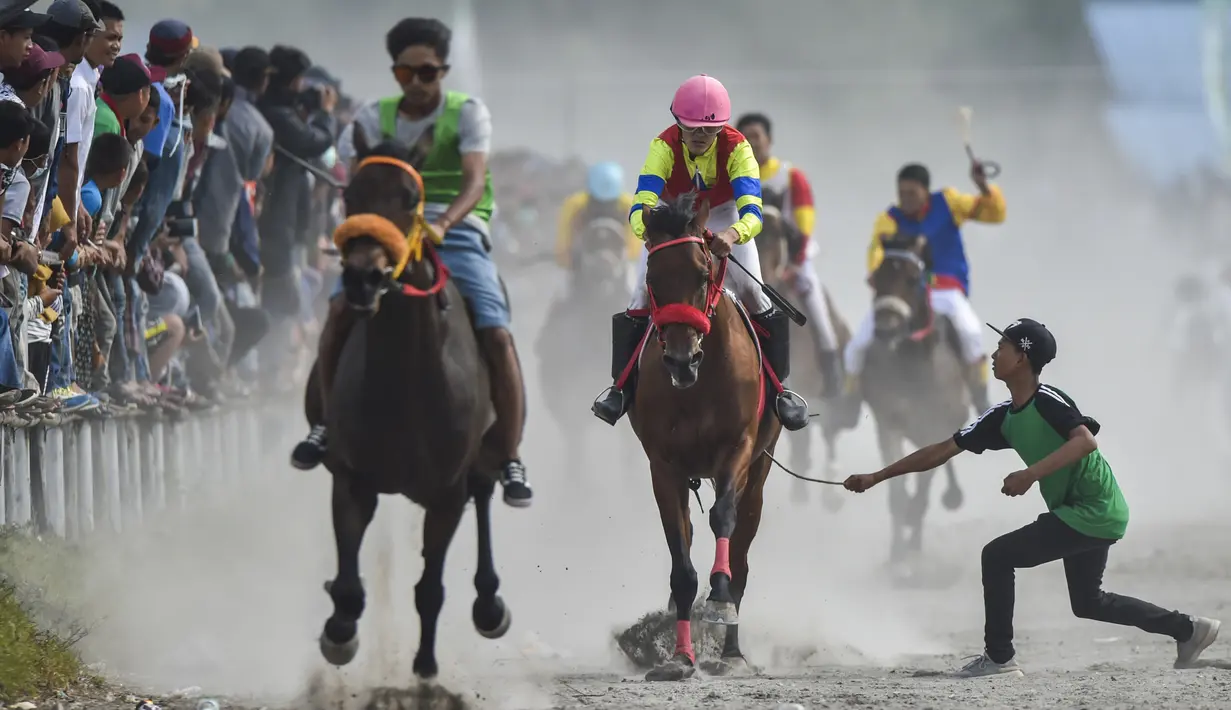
855 89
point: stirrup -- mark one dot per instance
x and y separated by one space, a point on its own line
791 409
602 398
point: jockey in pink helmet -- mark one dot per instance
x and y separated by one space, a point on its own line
701 152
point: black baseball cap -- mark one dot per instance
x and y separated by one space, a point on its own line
16 15
74 14
1032 338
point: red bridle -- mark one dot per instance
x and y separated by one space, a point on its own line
684 313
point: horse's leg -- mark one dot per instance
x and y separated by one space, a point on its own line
831 497
801 462
748 521
353 509
671 493
890 444
490 615
952 499
439 525
918 511
720 605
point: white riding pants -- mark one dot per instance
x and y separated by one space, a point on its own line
747 290
808 287
951 303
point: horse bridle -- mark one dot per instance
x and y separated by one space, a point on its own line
896 303
684 313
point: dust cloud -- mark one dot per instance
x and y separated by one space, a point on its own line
228 596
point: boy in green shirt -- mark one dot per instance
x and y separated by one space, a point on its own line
1086 514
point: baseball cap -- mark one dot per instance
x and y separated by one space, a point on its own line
37 61
75 14
127 76
21 19
172 37
1032 338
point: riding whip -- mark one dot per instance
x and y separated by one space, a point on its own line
966 115
778 299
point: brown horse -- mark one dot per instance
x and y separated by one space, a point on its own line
914 384
701 415
407 406
777 240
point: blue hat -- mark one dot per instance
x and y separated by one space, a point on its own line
605 181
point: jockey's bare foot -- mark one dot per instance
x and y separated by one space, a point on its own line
517 491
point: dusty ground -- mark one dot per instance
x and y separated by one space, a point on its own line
225 600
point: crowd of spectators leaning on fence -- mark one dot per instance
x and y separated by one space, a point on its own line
160 236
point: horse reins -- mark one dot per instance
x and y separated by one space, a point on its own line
684 313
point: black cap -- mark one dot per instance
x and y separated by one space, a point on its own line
1032 338
74 14
15 16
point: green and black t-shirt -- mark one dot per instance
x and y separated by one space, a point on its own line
1084 495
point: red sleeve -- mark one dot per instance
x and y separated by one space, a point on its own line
801 191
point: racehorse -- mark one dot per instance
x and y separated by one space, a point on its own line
777 240
913 383
408 407
701 415
598 285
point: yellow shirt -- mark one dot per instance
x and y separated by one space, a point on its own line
567 227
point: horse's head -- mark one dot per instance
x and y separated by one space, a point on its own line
601 264
680 278
900 286
382 234
776 233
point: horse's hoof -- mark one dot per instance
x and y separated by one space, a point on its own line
678 668
717 612
425 668
952 499
735 666
491 619
339 654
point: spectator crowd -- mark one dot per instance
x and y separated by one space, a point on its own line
163 215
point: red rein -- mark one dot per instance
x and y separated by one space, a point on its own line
442 275
683 313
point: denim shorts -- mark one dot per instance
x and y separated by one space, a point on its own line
471 268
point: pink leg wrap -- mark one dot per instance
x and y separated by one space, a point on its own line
683 640
722 557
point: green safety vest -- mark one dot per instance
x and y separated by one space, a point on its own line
442 170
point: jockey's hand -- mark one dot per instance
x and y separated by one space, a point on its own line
861 482
979 175
1018 482
439 230
723 241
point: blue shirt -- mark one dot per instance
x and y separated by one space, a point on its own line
156 141
91 198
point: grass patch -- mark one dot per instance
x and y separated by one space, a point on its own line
38 631
32 662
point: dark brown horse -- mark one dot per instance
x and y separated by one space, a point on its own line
914 384
776 242
407 407
701 415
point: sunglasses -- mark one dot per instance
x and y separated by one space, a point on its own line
426 73
704 130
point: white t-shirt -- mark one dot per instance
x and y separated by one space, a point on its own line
80 116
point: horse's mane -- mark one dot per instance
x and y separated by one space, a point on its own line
672 216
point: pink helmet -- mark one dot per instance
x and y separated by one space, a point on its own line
701 101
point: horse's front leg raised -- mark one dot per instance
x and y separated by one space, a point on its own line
353 509
439 525
671 493
490 615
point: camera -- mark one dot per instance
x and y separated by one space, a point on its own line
182 228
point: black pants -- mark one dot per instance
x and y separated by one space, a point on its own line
38 361
1048 539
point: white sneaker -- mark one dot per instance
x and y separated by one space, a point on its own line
981 667
1205 632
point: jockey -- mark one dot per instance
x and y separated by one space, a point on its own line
781 177
939 217
604 196
458 190
701 152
